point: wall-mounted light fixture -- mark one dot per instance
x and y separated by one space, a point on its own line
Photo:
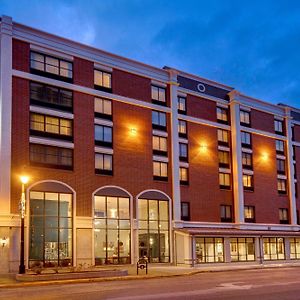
4 242
133 131
203 147
265 156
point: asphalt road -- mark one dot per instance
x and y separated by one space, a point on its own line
272 284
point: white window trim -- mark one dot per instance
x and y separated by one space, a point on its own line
103 150
281 177
160 158
50 52
159 133
183 141
50 112
101 67
158 83
103 122
224 170
247 150
224 148
51 142
184 164
248 172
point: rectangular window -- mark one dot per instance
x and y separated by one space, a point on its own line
249 213
278 126
224 159
50 96
242 249
224 181
279 146
248 182
274 248
184 176
49 126
245 118
281 186
209 250
181 105
103 164
158 95
102 80
160 170
159 120
295 248
183 152
185 211
226 214
223 137
247 160
246 139
159 145
283 216
49 156
280 166
222 115
182 128
103 135
49 66
103 108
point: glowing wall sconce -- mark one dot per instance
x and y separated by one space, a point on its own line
203 147
133 131
265 156
4 242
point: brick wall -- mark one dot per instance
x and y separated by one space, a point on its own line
201 108
20 54
262 121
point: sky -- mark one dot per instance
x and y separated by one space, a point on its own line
253 46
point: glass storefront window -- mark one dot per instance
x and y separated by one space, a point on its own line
111 230
51 237
209 250
295 248
154 230
274 248
242 249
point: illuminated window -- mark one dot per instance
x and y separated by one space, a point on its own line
281 186
245 118
184 177
181 105
248 182
246 139
283 216
183 152
274 248
159 145
103 108
279 146
222 115
103 135
278 126
103 164
280 166
225 212
160 170
224 159
247 160
182 128
224 181
185 211
242 249
223 137
295 248
249 214
158 94
209 250
159 120
102 80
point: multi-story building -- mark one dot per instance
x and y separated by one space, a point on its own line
127 160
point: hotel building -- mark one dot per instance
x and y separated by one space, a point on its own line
126 160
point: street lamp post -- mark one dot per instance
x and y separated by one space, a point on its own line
24 180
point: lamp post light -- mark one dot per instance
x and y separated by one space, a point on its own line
24 180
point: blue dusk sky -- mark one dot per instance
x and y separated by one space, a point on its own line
253 46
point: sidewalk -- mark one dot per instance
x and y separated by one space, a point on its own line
154 271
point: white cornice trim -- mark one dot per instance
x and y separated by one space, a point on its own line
158 83
50 142
51 112
296 144
51 52
204 122
101 67
263 133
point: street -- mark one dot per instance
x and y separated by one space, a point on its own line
280 283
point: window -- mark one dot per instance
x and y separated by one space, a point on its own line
224 159
50 229
242 249
248 182
226 214
223 137
224 181
49 126
249 213
273 248
246 139
160 170
181 105
247 160
281 186
245 118
209 250
185 211
183 152
283 216
158 95
112 230
50 156
42 64
222 115
103 164
184 177
103 135
159 145
278 126
182 128
279 146
159 120
295 248
103 108
102 80
49 96
280 166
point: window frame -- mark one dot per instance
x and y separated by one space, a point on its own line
283 216
225 218
247 165
102 87
249 208
159 151
159 116
279 186
103 143
223 186
103 115
251 186
223 164
279 124
222 111
182 181
180 123
183 158
104 171
160 177
222 133
188 217
245 118
278 145
244 141
158 101
183 99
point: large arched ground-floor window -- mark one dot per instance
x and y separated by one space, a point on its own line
50 229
